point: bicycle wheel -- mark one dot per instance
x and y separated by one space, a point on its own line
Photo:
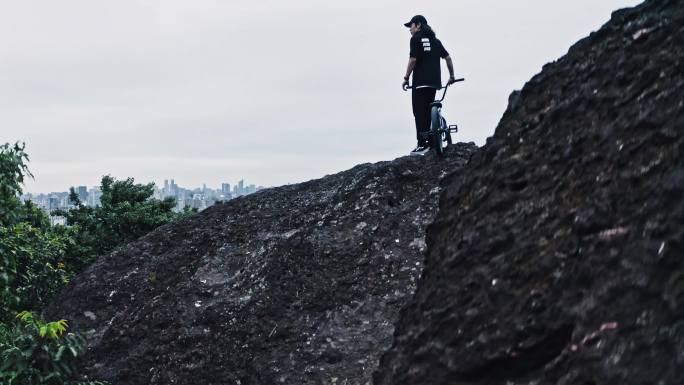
435 131
446 135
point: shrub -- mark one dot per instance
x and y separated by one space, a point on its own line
35 352
32 268
13 169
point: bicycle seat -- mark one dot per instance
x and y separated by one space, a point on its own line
438 104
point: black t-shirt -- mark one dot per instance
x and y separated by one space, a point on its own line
427 51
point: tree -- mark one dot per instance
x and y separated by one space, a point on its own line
34 270
127 212
13 170
37 258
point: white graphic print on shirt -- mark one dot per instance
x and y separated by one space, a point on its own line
426 44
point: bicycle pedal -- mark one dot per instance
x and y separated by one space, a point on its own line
453 128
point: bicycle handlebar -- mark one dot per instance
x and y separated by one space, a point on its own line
444 86
456 81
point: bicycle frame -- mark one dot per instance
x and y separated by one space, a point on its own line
438 103
439 129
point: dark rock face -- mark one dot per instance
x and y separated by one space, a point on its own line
300 284
557 254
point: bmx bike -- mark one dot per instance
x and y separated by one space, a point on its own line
440 131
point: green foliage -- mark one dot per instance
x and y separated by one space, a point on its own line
13 169
188 212
127 212
35 352
34 215
15 238
37 260
52 330
32 268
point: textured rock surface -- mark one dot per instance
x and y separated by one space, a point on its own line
299 284
557 254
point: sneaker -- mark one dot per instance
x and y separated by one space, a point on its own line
420 150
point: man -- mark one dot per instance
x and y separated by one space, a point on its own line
424 63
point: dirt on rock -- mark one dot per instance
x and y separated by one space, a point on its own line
299 284
557 256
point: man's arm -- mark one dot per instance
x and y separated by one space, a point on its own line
450 66
445 55
409 68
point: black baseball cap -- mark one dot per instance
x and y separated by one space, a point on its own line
417 19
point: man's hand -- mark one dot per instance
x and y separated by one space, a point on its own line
451 81
409 68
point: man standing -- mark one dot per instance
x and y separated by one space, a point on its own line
425 52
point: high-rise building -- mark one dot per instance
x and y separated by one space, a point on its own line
239 189
94 197
173 188
225 188
82 192
53 203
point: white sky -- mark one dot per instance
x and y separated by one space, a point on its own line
276 92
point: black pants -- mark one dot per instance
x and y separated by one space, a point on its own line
421 98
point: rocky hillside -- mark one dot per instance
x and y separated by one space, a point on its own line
300 284
557 256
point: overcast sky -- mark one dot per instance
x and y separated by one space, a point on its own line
276 92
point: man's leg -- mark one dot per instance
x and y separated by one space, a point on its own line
428 98
421 98
418 114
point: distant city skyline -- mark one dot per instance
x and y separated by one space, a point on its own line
207 89
198 197
217 186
